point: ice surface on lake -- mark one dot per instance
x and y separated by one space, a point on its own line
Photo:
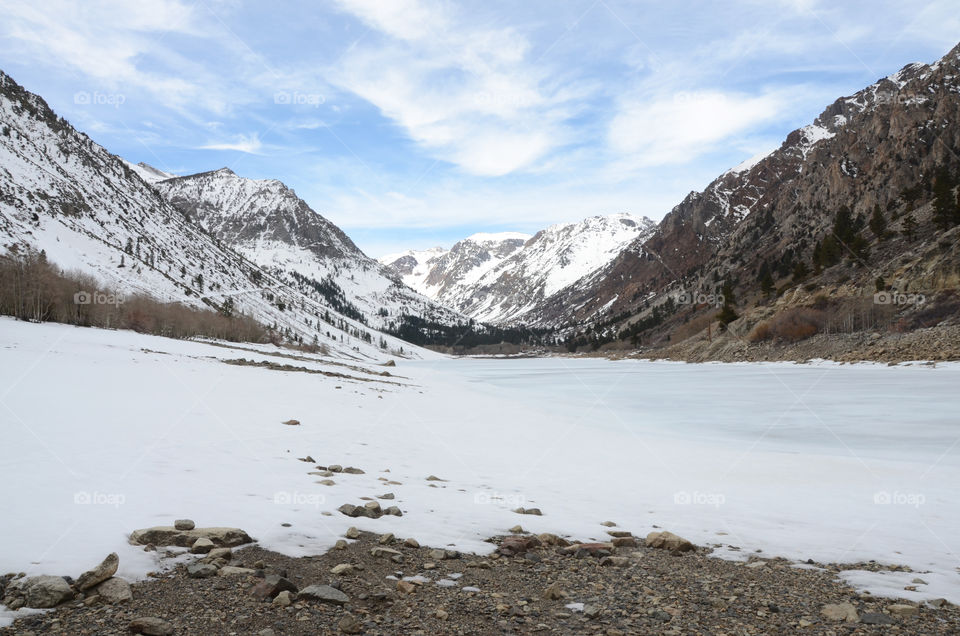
105 432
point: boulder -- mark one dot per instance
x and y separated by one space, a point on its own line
99 574
150 626
324 594
517 544
284 599
393 511
184 524
115 590
668 541
352 533
348 623
170 536
624 542
38 592
271 586
202 545
410 542
902 609
215 554
845 612
201 570
232 570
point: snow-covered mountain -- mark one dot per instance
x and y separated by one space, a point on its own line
269 224
148 173
506 278
90 211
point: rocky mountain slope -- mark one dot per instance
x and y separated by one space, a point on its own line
270 225
508 278
90 211
856 203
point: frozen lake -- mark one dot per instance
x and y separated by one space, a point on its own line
105 432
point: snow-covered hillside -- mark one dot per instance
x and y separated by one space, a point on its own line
148 173
505 278
269 224
89 211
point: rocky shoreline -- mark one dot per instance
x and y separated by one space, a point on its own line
382 584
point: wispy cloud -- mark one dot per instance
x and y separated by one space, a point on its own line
244 143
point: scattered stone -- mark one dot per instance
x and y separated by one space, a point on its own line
624 542
554 593
434 478
393 511
386 539
106 569
441 614
349 624
668 541
876 618
292 422
184 524
615 561
114 590
619 533
335 468
840 612
410 542
271 586
201 546
170 536
201 570
38 592
327 482
217 554
284 598
608 524
353 471
517 544
232 570
902 609
324 594
517 529
528 511
386 495
343 568
352 533
406 587
150 626
385 552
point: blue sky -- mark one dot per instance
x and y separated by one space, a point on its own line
412 123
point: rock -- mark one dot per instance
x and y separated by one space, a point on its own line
335 468
215 554
373 506
394 511
184 524
284 598
593 549
343 568
266 632
554 593
619 533
150 626
201 570
517 544
202 545
350 470
591 611
668 541
271 586
434 478
170 536
615 561
327 482
919 581
902 609
99 574
528 511
324 594
517 529
115 590
232 570
349 624
340 545
875 618
441 614
38 592
352 533
386 495
386 552
608 524
292 422
406 587
840 612
386 539
410 542
624 542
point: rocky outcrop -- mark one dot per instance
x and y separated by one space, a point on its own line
170 536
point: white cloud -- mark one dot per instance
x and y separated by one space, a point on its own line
677 128
244 143
466 94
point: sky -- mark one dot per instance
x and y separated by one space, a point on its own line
414 123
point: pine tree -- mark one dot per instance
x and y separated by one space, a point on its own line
878 223
944 204
909 226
